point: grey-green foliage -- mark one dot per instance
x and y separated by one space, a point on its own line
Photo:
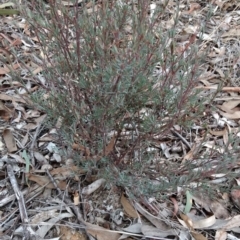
99 70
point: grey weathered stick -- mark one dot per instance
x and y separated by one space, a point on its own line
182 138
34 192
22 207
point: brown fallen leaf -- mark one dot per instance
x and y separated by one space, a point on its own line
187 222
69 233
216 207
68 171
6 97
234 115
18 158
5 69
109 147
220 235
129 209
232 32
204 223
9 140
80 147
152 232
193 7
232 223
40 119
226 137
227 89
176 207
227 106
76 198
190 154
44 181
30 126
223 133
101 233
216 133
156 221
198 236
5 113
25 139
235 195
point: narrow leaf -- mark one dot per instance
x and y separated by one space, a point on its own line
4 12
188 203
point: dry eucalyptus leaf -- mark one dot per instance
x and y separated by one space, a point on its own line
151 231
216 207
5 113
43 216
198 236
101 233
24 140
229 105
18 158
129 209
204 223
9 140
220 235
232 32
40 158
80 147
235 195
156 221
217 133
44 181
6 97
185 221
76 198
68 171
234 115
93 186
134 228
69 233
233 223
42 231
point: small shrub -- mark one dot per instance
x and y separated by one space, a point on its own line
119 82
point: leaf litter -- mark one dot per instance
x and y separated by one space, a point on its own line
106 212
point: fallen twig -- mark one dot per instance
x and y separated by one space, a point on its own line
182 138
27 230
